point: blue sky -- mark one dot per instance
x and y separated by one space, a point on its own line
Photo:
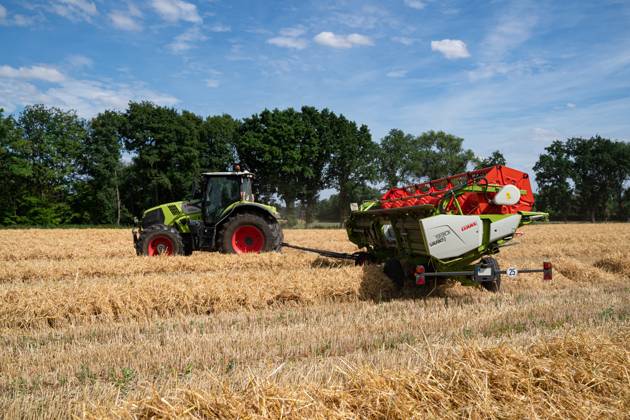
507 75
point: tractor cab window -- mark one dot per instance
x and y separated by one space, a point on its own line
220 193
246 189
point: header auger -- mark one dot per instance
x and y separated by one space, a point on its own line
446 228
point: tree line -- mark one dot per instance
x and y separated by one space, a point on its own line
58 168
585 179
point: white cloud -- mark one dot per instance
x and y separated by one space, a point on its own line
544 135
74 9
330 39
287 42
80 61
176 10
44 73
451 48
122 20
290 38
16 19
403 40
570 105
212 83
186 40
513 28
219 27
510 32
397 74
293 32
21 20
415 4
87 97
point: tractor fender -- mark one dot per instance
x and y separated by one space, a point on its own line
245 207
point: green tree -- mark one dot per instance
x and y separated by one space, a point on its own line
15 169
166 149
353 161
269 145
218 136
315 148
584 178
396 158
553 172
54 138
440 154
495 158
101 165
329 210
600 169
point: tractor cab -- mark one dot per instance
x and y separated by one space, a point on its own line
220 189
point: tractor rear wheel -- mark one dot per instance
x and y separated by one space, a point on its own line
247 232
493 285
158 240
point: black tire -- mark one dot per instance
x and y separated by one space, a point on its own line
188 244
394 270
155 235
495 284
272 236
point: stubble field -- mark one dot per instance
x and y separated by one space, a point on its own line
88 329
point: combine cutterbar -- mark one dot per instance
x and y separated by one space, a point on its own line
447 227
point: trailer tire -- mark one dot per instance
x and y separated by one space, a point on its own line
495 284
394 270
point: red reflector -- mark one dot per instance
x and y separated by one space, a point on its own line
420 275
547 270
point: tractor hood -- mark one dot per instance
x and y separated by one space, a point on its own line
177 207
166 214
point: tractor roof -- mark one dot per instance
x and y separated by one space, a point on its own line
243 173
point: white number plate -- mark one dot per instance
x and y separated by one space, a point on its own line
511 272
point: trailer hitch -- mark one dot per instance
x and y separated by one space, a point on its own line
356 257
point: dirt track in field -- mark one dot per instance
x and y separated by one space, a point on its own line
89 328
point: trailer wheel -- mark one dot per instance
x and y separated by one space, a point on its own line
495 284
394 270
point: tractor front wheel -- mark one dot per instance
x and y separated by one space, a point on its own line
160 240
245 233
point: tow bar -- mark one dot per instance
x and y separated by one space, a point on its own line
330 254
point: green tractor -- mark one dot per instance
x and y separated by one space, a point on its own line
222 216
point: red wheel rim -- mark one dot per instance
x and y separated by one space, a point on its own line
160 245
247 239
